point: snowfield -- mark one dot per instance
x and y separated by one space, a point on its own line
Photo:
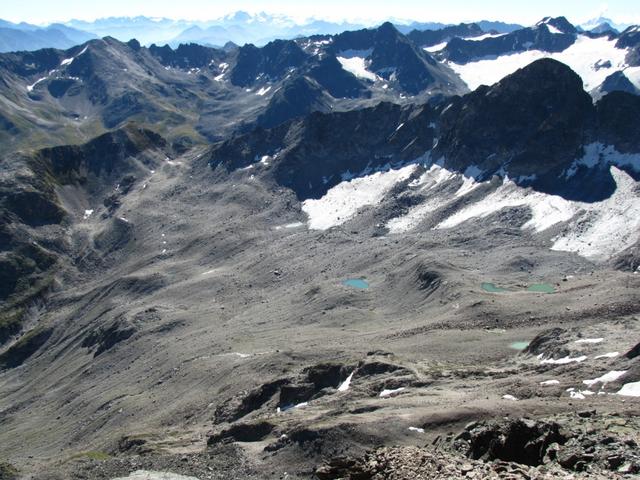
343 201
605 228
546 210
582 57
595 230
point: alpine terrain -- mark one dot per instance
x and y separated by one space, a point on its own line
399 252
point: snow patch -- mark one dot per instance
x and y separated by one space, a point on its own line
416 429
580 394
32 86
607 355
291 407
264 160
87 214
482 37
596 230
355 62
554 30
606 378
473 171
549 382
344 386
630 390
289 226
509 397
469 184
388 393
563 361
152 475
263 91
427 182
546 210
599 155
435 48
605 228
589 340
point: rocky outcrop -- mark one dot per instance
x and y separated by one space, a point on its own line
24 348
521 441
242 432
550 343
105 337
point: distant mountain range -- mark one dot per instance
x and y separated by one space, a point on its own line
602 24
23 36
194 92
239 27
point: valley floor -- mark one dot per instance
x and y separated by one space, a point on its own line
216 339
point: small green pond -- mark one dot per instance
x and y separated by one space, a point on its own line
519 345
541 288
492 288
536 288
358 283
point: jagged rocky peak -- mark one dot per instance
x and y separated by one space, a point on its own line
629 38
297 97
189 55
391 56
619 122
531 122
558 25
273 61
618 81
548 35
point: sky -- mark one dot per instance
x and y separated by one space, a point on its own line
446 11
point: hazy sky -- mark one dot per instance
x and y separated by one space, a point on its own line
449 11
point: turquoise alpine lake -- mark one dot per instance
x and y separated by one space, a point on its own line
541 288
358 283
491 288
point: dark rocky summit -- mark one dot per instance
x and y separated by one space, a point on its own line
549 35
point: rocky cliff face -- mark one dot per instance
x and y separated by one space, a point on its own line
532 122
531 126
34 228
